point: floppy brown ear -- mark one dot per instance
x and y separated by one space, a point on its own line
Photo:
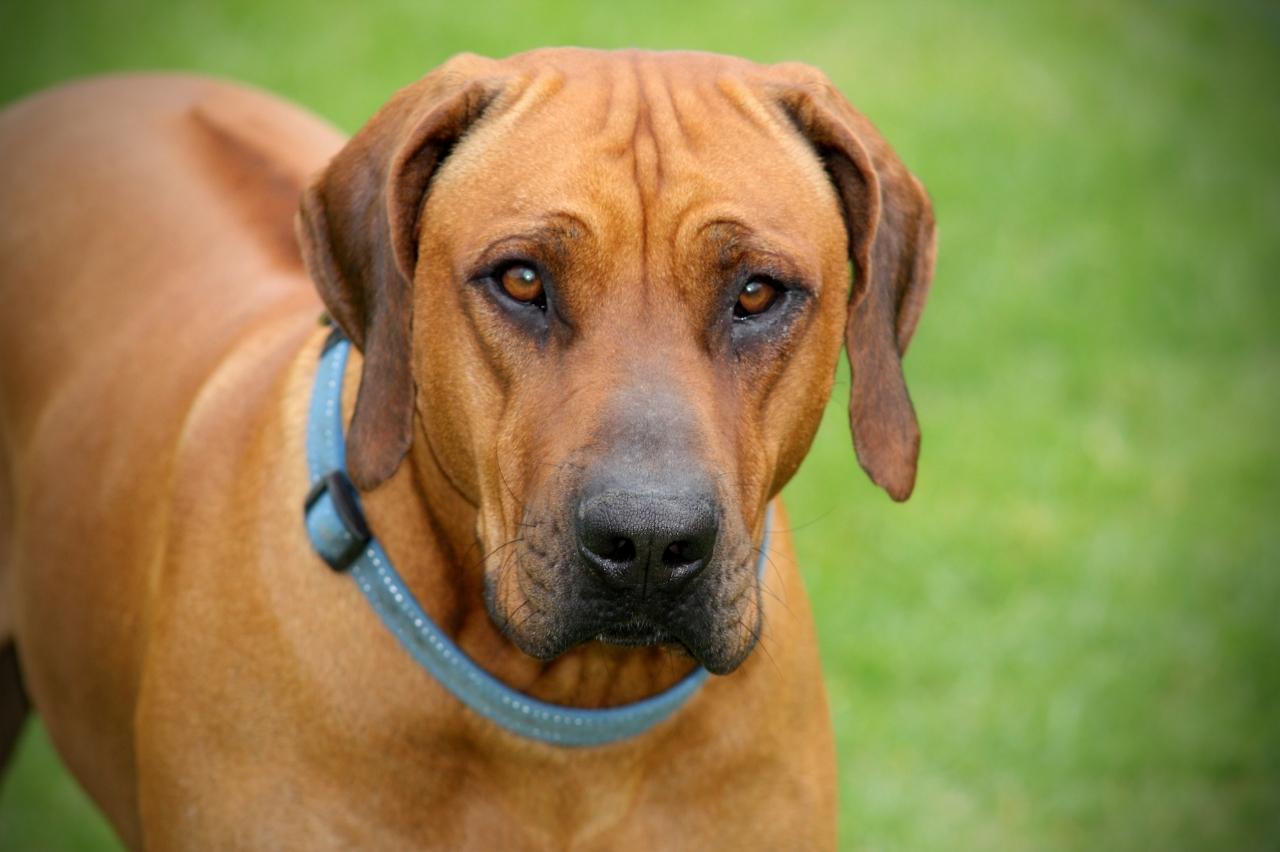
890 224
358 229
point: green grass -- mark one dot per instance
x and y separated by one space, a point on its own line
1070 637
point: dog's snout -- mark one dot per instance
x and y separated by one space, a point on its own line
646 540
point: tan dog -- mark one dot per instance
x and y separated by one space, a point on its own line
599 298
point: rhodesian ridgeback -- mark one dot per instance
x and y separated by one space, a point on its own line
592 304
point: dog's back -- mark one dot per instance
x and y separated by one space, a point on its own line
146 187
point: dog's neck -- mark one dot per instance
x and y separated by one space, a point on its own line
429 531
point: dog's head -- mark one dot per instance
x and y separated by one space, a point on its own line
608 290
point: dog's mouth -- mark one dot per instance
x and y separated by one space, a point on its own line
546 607
636 632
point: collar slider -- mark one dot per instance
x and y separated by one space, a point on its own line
333 516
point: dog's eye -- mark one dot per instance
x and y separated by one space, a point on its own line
758 295
523 283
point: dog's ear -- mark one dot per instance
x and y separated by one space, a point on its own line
358 229
890 226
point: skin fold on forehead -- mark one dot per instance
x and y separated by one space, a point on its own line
641 149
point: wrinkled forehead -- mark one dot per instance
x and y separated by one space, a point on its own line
627 142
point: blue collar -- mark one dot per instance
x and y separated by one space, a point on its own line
339 534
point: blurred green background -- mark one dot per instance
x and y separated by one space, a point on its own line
1070 637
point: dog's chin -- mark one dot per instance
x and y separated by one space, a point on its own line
637 633
717 660
548 644
715 655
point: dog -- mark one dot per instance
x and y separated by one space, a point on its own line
592 304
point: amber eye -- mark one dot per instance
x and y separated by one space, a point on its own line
757 296
522 283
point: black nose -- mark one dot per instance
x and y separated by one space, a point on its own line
646 540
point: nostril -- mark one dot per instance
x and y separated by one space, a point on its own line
619 550
681 553
609 545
